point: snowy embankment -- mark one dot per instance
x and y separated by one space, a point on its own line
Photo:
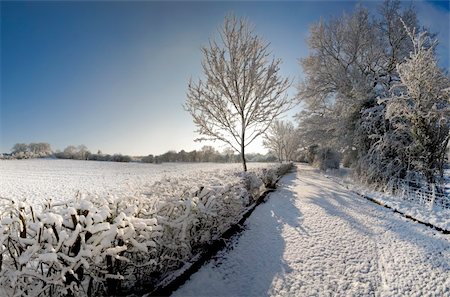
98 244
313 237
436 216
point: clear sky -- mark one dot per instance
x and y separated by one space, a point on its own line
113 75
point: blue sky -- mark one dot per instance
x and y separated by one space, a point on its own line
113 75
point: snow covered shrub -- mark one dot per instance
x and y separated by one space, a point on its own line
98 246
311 153
195 210
284 168
419 108
121 158
254 183
349 158
72 249
327 158
148 159
407 132
268 177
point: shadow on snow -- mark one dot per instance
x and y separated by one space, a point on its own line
253 258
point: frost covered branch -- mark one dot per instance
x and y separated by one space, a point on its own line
242 92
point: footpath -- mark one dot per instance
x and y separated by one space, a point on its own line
315 238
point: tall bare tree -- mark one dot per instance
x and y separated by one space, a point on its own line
242 92
282 140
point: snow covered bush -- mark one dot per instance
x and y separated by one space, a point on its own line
32 150
327 158
97 246
374 84
420 109
311 153
407 132
72 249
349 158
269 177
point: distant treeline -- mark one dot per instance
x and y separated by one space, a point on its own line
28 151
43 150
206 154
81 152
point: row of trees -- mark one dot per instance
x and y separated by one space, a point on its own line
374 91
283 140
206 154
31 150
81 152
241 95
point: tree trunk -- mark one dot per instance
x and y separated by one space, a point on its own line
244 162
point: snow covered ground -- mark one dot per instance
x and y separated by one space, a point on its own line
155 229
437 216
39 179
316 238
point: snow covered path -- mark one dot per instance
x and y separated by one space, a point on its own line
315 238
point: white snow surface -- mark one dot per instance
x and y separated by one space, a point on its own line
435 216
315 238
36 180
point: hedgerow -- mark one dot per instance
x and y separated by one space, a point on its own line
93 246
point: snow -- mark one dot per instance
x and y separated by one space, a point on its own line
39 179
315 238
144 236
436 216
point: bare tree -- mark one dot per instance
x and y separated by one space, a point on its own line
83 152
242 92
70 152
19 148
228 152
40 149
33 148
282 140
209 153
274 139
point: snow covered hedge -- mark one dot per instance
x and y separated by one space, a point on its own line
91 245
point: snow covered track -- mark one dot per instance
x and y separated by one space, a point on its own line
315 238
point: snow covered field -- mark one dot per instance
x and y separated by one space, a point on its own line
39 179
154 217
313 237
